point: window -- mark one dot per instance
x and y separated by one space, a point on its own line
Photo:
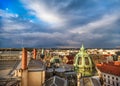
104 80
116 78
117 84
112 77
104 75
87 61
113 83
79 61
57 60
108 81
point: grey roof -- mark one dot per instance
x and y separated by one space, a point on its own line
55 81
36 65
91 81
9 82
10 52
7 66
96 81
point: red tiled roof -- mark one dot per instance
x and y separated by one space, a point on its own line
111 68
70 59
117 63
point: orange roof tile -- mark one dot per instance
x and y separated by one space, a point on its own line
111 68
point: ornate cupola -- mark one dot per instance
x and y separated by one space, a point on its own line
83 63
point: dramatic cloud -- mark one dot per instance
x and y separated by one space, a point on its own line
42 12
59 23
104 22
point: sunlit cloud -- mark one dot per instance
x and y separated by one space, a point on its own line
9 23
42 12
105 21
6 14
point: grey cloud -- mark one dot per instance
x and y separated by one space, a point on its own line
83 17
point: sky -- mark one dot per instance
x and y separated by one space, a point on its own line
59 23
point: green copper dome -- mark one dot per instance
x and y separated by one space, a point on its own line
55 59
83 63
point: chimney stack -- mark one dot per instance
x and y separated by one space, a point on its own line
34 53
24 58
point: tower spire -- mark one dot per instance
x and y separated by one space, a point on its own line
42 52
82 48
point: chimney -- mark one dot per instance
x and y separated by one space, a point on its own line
34 53
24 58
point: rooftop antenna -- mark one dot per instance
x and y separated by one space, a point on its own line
22 43
81 44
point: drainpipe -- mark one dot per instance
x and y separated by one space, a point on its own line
34 53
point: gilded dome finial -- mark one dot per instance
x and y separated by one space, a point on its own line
82 48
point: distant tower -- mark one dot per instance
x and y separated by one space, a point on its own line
83 63
42 54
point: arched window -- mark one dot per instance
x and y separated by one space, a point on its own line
87 61
79 61
56 60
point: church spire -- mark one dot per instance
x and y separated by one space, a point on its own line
82 48
42 52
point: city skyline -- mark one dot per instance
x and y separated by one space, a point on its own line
59 23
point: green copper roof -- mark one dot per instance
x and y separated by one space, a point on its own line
83 63
55 59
